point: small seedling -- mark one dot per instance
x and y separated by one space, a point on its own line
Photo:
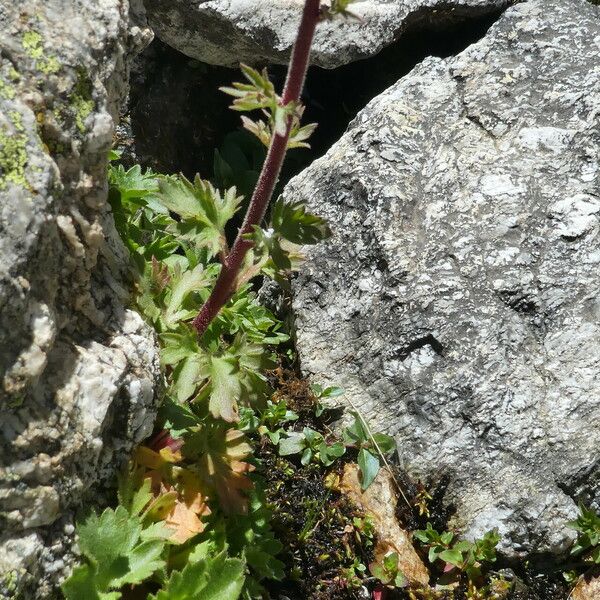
370 448
312 445
459 556
387 571
587 544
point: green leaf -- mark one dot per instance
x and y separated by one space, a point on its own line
306 456
182 285
390 561
434 553
156 531
143 561
446 537
204 212
332 391
132 183
82 584
355 434
384 443
225 387
186 376
462 546
269 245
113 545
369 467
263 562
427 535
107 541
299 135
293 223
258 93
340 7
328 454
134 492
312 437
177 346
177 418
294 442
219 578
453 557
400 580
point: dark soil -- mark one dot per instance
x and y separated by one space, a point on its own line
314 524
313 521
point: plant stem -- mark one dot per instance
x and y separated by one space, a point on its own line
269 175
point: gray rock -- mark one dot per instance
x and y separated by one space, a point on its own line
225 32
78 371
458 300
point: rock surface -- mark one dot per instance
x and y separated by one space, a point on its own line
588 587
78 371
227 32
379 501
458 300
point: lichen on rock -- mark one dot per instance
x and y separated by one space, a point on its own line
79 372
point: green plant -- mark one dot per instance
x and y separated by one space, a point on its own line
192 520
355 573
320 393
210 578
387 571
459 555
587 544
119 548
372 447
269 421
281 130
586 547
312 445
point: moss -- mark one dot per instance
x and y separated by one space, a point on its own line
16 402
82 103
13 153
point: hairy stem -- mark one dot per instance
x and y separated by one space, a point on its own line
269 175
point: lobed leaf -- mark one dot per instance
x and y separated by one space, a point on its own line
294 223
218 578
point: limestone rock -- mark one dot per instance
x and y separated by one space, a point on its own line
458 301
588 587
379 501
78 371
226 32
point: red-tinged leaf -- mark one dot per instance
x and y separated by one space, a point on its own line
379 593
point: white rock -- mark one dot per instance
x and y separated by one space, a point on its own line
479 347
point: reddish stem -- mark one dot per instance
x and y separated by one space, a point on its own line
269 175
